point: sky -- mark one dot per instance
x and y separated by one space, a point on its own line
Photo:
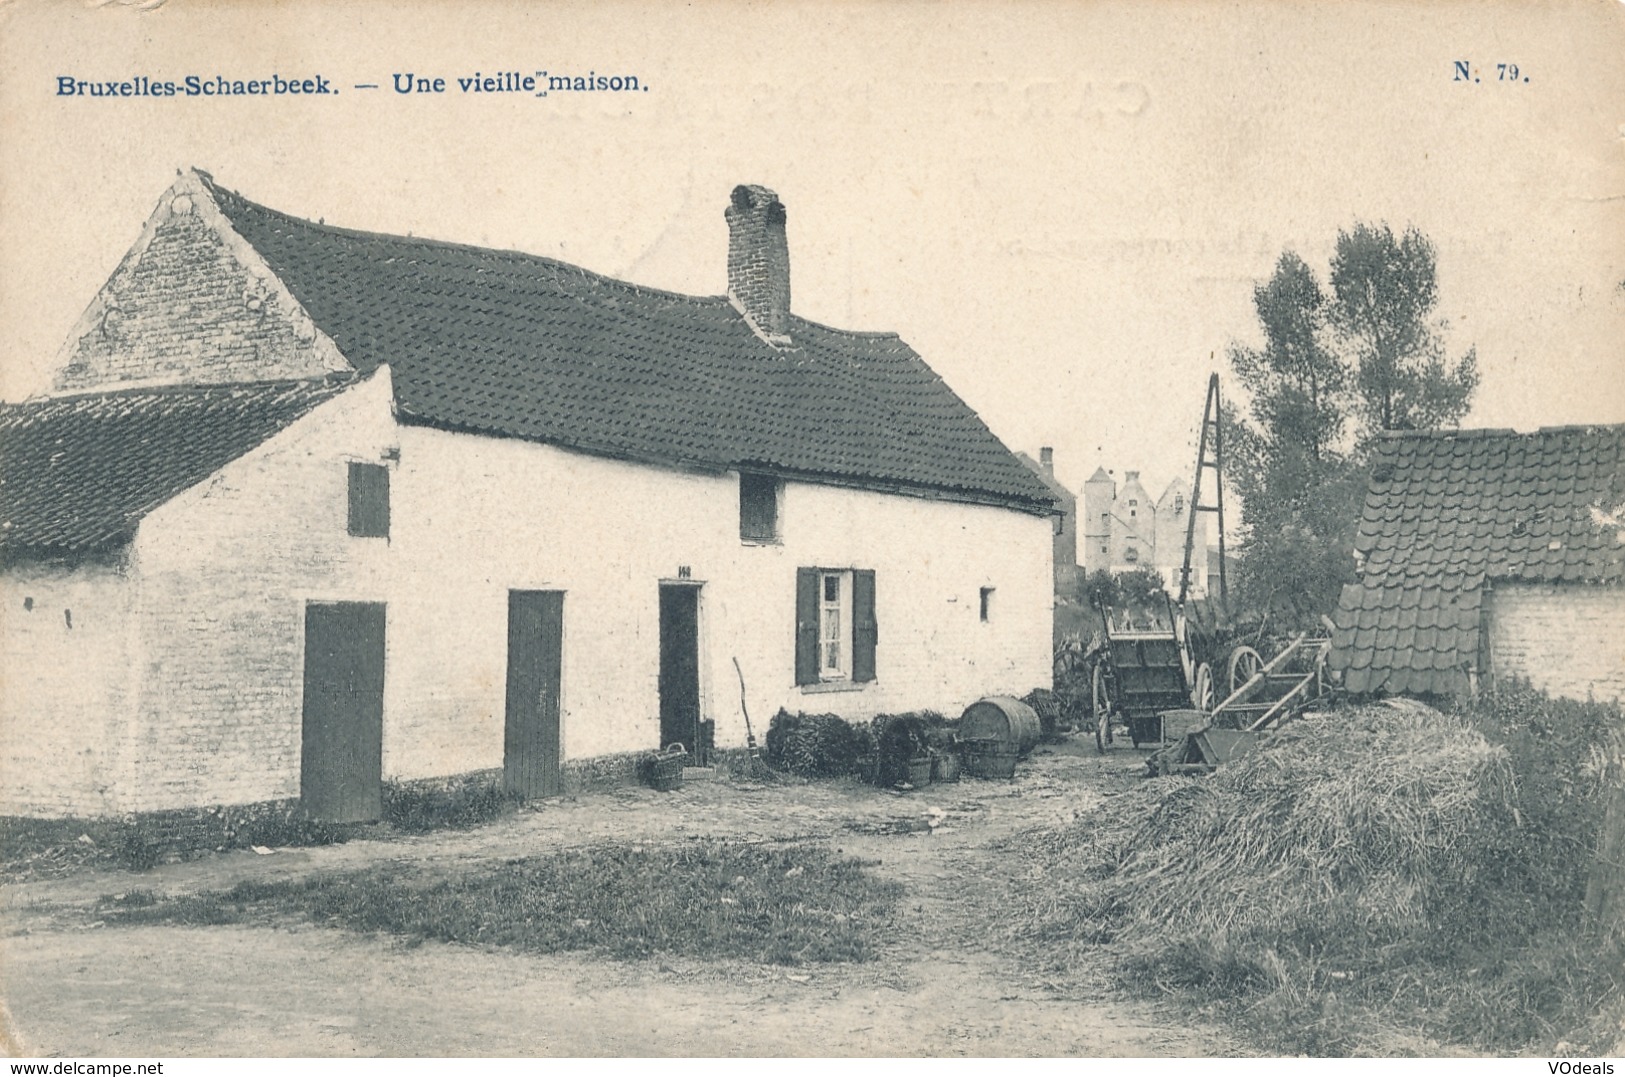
1064 207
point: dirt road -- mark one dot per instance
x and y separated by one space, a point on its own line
949 983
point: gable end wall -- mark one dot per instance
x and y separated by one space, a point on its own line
189 305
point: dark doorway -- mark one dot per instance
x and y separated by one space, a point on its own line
342 748
530 741
680 666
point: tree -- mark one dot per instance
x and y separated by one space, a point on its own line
1372 349
1100 589
1384 291
1285 450
1141 589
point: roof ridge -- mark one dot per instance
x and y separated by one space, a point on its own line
337 377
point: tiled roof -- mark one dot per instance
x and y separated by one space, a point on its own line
517 345
77 473
1062 495
1448 512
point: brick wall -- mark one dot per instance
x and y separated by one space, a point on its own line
224 573
1566 639
192 302
65 687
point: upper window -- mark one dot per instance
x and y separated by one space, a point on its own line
1179 504
1060 525
1131 555
758 508
987 603
835 625
1133 502
369 500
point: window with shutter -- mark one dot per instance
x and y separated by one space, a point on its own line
758 508
836 632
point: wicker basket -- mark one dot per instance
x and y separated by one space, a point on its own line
666 770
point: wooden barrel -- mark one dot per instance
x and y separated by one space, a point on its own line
1001 718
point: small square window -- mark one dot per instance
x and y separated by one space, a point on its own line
758 508
987 603
369 500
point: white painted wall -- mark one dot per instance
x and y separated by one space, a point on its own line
224 571
475 517
218 580
65 687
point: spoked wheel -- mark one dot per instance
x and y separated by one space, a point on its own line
1202 690
1244 666
1102 708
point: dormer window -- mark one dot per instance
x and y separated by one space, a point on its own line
758 507
369 500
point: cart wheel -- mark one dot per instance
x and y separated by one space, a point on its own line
1244 665
1202 693
1102 708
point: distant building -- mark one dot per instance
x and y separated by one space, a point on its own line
1125 529
1065 524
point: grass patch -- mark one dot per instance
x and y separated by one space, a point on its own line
782 906
1362 883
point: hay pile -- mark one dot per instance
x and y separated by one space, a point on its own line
1381 879
1343 835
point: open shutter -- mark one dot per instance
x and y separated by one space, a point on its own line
806 626
864 630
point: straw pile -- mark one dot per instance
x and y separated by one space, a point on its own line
1343 831
1364 877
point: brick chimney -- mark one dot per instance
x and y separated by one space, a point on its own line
1046 460
759 261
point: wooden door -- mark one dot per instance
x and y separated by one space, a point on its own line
530 748
341 753
680 666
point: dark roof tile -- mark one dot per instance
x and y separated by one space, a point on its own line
522 346
77 473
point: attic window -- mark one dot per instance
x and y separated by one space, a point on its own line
758 508
987 604
369 500
1179 504
1131 555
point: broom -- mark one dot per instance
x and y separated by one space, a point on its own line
750 737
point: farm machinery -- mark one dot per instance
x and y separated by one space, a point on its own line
1196 679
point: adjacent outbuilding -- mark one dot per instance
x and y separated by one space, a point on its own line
1489 553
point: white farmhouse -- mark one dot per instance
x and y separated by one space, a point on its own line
309 510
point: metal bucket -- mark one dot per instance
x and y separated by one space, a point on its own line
1001 718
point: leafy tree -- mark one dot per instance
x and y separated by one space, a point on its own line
1141 588
1371 349
1100 590
1384 291
1285 457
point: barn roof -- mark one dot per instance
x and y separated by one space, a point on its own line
516 345
77 473
1447 513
